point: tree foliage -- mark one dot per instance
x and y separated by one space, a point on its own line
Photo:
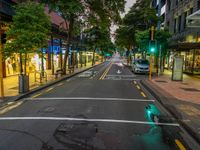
90 12
161 36
29 30
139 18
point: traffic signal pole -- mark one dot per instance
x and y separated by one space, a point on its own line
151 57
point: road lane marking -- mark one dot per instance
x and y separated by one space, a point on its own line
60 84
89 120
142 93
106 71
89 98
138 87
131 79
37 95
48 90
115 75
10 107
179 144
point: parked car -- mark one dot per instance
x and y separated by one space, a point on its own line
140 66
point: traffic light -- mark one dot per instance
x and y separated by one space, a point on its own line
3 38
152 46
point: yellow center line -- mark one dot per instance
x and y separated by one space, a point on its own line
179 144
105 73
142 93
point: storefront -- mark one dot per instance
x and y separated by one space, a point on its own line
191 54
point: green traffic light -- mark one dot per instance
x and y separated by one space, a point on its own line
152 49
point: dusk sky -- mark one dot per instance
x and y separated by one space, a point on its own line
129 3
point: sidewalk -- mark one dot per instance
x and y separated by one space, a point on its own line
182 99
11 83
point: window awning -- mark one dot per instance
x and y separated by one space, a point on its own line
193 20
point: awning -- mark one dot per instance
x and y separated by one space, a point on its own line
193 20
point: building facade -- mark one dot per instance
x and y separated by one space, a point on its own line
160 6
185 40
52 55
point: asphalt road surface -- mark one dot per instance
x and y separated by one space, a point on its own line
104 108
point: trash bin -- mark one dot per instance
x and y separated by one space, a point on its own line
23 83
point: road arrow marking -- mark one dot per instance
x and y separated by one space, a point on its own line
119 72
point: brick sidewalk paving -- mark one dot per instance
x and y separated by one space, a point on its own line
187 90
11 83
182 99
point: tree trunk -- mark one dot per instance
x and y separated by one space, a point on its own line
93 59
25 61
20 64
42 61
70 34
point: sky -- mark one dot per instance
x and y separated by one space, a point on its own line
129 3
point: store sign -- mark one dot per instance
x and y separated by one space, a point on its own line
177 72
56 49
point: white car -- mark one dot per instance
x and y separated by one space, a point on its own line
140 66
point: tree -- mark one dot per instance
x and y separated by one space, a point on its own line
70 11
28 32
142 40
125 37
141 16
93 13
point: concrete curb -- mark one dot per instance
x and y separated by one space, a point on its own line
16 98
164 101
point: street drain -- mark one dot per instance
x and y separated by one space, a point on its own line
76 135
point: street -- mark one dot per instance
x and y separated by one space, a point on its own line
104 108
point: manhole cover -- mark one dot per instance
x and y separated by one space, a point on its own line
191 89
163 81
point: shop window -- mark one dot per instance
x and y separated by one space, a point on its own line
179 23
185 21
197 61
198 5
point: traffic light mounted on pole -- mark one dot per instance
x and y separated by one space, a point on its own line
152 49
152 46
